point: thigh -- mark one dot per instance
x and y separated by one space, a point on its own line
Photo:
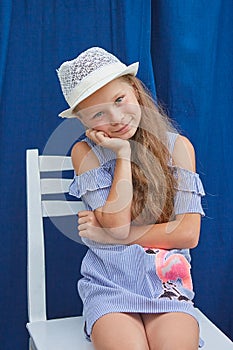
174 330
123 331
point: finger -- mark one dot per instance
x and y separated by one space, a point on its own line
82 233
97 136
82 227
88 131
101 136
91 133
83 213
84 220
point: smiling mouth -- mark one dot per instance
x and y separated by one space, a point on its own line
123 129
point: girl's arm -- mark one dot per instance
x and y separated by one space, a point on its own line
115 215
183 232
178 234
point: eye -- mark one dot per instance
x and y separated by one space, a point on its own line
119 99
98 115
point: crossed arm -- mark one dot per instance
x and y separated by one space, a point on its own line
111 224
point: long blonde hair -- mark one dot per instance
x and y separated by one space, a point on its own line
152 177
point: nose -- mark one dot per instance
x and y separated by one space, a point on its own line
116 117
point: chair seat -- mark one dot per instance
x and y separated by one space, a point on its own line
214 339
59 334
67 333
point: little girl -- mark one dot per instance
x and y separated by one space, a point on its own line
137 178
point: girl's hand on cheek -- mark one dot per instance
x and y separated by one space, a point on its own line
95 134
119 146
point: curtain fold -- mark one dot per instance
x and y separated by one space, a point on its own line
5 20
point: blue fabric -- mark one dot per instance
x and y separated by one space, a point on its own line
5 20
95 181
109 285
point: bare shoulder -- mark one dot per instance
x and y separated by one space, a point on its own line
83 158
184 154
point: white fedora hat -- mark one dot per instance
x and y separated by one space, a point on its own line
91 70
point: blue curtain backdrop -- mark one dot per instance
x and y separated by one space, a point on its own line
190 44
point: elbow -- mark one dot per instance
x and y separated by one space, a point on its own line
189 230
192 239
193 244
116 227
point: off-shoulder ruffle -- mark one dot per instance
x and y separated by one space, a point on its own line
188 181
91 180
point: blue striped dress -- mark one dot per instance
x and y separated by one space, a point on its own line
130 278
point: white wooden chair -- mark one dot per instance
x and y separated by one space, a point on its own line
64 333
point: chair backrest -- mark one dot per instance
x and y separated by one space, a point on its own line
39 184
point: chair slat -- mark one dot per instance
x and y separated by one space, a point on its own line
55 163
61 208
36 254
49 186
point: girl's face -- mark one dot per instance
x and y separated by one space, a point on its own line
113 109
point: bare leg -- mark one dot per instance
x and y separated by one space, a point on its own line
174 330
119 331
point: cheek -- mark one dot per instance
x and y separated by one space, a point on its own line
131 108
100 127
95 124
135 112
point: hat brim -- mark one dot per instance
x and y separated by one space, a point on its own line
131 69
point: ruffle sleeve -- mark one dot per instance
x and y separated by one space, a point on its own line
92 187
189 192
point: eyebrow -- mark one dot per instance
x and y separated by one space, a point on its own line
120 92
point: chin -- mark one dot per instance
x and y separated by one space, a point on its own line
127 136
131 133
